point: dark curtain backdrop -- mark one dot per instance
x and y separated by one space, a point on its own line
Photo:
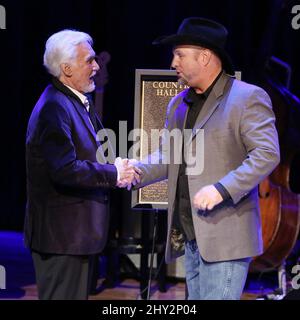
258 29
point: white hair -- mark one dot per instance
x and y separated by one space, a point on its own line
61 47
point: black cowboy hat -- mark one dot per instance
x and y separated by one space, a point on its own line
201 32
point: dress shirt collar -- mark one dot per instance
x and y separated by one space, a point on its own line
81 96
192 96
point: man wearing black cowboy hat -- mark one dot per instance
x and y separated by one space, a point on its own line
213 213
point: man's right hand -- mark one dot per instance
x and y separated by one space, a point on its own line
128 174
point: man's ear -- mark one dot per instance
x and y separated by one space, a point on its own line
66 69
206 56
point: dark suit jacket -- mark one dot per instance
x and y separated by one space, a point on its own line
67 189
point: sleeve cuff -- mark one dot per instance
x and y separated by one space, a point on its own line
222 190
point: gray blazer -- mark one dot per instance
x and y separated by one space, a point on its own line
240 149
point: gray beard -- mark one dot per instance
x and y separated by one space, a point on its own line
90 88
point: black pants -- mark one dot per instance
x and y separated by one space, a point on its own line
61 277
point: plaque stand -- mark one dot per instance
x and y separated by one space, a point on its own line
158 247
151 241
153 91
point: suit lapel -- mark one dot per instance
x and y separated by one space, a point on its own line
85 117
108 142
78 106
180 115
212 103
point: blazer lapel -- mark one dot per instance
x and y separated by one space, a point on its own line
180 115
108 142
85 118
99 127
212 103
77 104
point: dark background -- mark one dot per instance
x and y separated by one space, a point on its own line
257 29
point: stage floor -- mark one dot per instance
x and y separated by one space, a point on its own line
20 279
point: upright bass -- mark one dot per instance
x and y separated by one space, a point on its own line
279 193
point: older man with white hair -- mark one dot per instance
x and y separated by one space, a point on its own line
67 209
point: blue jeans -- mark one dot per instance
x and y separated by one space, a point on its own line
223 280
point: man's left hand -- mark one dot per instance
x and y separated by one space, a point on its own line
207 198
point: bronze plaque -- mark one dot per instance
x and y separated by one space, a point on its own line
153 91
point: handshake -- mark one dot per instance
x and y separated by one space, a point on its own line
128 174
